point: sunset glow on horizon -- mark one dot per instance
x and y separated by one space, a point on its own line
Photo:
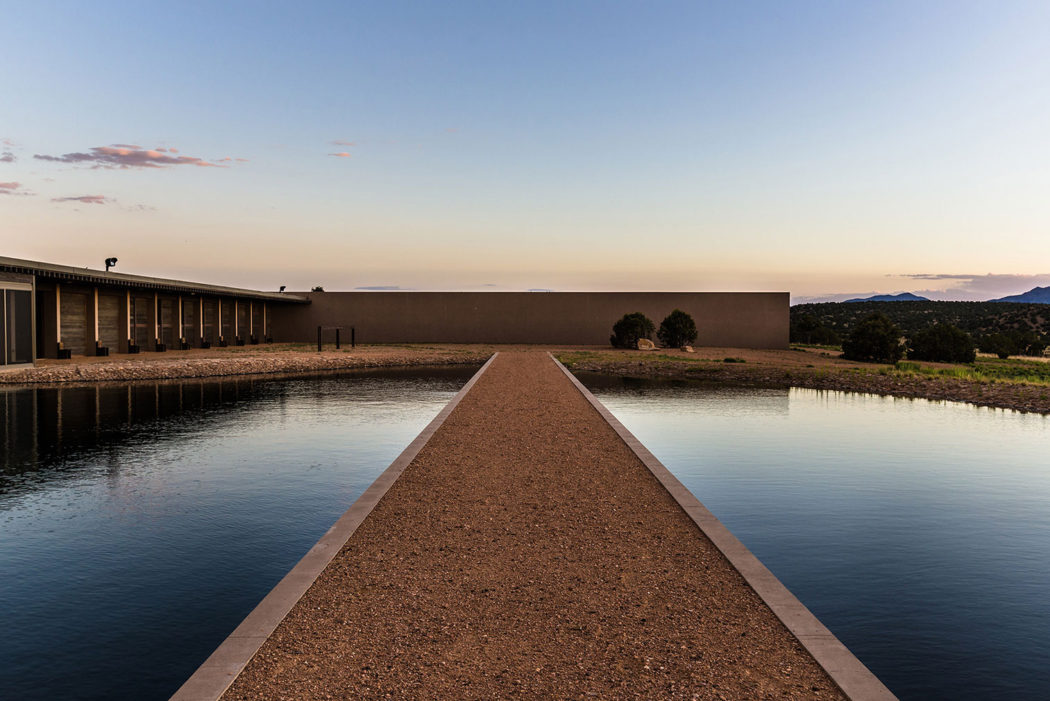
817 148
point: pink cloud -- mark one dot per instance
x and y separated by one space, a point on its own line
86 199
9 188
128 156
241 160
7 157
7 142
341 154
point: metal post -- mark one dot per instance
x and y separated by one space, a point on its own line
318 339
353 341
337 338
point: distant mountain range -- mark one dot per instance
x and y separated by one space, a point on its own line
902 297
1036 295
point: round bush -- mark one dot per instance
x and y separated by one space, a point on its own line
677 329
630 328
942 343
874 339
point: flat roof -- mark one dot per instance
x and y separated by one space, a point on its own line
90 276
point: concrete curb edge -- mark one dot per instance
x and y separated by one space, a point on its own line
850 674
222 667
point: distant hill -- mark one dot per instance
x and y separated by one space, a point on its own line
902 297
1036 295
978 318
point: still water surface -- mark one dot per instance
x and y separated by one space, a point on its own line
918 532
140 523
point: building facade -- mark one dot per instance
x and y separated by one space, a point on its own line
55 311
80 311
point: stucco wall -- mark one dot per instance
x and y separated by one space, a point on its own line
734 319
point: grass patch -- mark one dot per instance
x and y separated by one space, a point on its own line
816 346
984 370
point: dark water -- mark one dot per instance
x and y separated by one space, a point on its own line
918 532
139 524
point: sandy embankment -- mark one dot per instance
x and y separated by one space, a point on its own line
808 368
246 360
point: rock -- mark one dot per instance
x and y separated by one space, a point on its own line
688 349
645 344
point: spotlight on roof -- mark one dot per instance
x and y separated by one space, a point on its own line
282 288
110 262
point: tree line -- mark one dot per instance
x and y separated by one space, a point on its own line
877 338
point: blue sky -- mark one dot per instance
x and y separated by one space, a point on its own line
815 147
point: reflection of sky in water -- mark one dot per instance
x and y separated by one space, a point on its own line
139 524
919 532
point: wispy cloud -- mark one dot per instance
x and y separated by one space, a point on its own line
86 199
129 156
341 154
341 142
7 157
7 142
13 189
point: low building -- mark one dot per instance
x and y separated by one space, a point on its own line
56 311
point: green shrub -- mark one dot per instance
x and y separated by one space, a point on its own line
874 339
942 343
630 328
677 329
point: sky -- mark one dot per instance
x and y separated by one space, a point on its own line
819 148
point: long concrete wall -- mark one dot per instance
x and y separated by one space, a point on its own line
731 319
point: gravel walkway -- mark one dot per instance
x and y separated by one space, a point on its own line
526 552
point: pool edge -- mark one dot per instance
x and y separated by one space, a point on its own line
215 675
852 677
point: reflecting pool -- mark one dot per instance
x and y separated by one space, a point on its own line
917 531
140 523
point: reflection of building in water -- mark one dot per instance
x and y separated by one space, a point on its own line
46 426
686 396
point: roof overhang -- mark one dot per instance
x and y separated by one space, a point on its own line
90 276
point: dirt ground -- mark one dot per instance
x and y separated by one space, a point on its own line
241 360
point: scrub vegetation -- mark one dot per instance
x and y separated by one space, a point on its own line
677 329
630 328
996 327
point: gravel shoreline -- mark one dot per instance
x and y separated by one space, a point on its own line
526 552
769 368
844 377
229 362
